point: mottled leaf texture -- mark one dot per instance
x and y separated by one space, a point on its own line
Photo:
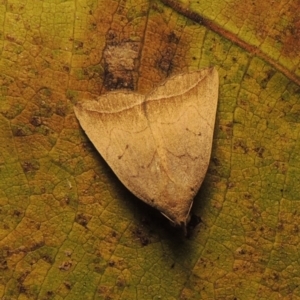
158 145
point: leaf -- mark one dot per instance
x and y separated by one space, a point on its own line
158 145
69 230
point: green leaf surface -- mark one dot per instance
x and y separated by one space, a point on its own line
70 230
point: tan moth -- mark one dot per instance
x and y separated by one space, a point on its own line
159 144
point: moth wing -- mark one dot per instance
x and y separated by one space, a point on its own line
117 126
181 113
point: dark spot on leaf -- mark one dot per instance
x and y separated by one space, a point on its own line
82 219
247 196
48 259
19 132
275 276
93 26
68 285
38 245
111 263
141 236
111 35
22 289
10 38
165 60
78 45
17 213
120 282
173 38
241 144
118 80
61 111
66 69
230 185
242 251
260 151
3 264
269 75
30 166
36 121
66 265
280 226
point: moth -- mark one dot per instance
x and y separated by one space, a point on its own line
158 144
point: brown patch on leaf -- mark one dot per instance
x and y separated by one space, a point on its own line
30 166
166 56
120 64
165 62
